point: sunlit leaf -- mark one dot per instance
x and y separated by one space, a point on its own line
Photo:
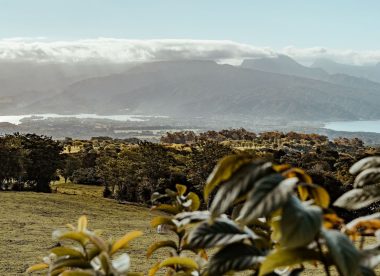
234 257
365 225
365 163
195 201
287 257
160 221
63 251
75 236
181 261
223 171
359 198
367 177
37 267
299 173
343 253
299 223
160 244
123 242
269 194
321 196
153 270
181 189
69 263
185 218
82 223
219 232
122 263
238 185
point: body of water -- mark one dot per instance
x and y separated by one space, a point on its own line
355 126
17 119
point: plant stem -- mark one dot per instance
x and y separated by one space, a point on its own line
323 259
362 240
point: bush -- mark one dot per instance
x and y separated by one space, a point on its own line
87 176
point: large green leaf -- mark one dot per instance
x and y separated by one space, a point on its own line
281 258
219 232
299 223
359 198
224 170
365 163
367 177
342 252
270 193
185 218
239 184
234 257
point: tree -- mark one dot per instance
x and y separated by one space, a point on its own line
42 160
11 160
71 164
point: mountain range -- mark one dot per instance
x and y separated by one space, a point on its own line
268 88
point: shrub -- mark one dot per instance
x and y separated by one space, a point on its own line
279 219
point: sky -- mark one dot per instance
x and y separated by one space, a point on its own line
338 27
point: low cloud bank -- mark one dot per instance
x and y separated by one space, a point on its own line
124 50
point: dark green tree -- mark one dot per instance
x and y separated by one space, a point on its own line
43 159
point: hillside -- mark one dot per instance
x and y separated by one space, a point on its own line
371 72
205 89
25 233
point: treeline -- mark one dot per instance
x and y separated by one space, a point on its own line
130 170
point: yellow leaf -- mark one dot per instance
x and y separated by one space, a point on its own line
76 236
37 267
224 169
182 261
281 168
321 196
160 244
303 192
195 201
154 269
66 251
287 257
161 220
123 242
82 223
297 172
181 189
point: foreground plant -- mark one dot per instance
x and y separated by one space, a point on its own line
85 253
278 221
178 203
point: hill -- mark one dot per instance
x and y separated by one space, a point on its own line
204 89
368 72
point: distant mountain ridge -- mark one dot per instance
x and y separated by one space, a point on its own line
205 89
369 72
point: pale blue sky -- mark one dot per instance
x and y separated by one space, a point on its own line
344 24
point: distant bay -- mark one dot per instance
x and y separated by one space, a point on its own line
354 126
17 119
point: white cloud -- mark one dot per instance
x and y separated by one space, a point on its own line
124 50
308 55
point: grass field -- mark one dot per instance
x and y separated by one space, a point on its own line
27 220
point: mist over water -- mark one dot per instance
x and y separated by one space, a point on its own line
17 119
355 126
